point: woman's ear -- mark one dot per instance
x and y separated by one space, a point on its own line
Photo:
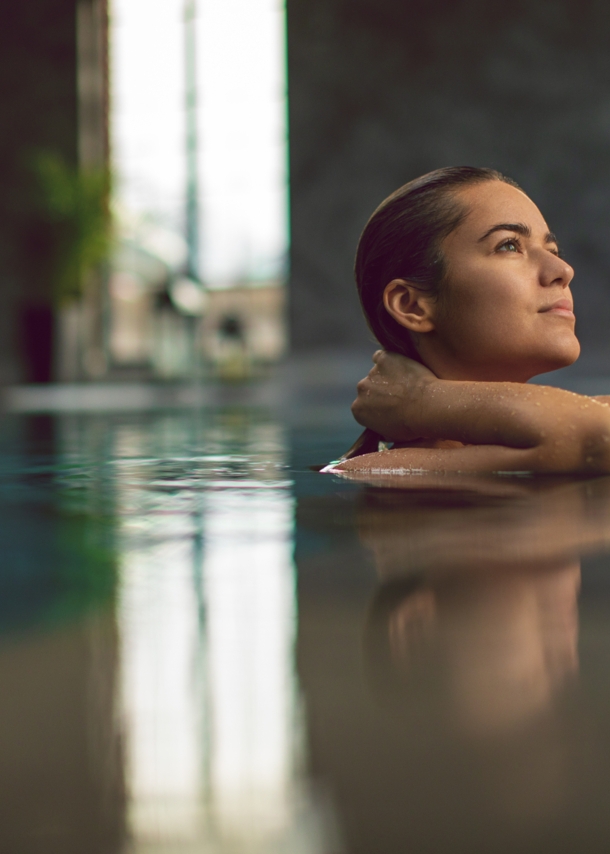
409 306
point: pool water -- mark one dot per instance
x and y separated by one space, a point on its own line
208 647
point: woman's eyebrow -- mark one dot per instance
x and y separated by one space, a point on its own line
518 227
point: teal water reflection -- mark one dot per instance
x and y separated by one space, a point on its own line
207 647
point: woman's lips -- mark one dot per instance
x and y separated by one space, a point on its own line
562 308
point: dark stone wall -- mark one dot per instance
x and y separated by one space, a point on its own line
384 90
38 111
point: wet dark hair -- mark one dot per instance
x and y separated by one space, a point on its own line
402 240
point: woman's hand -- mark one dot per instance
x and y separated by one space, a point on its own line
389 393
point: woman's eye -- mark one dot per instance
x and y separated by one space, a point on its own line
509 246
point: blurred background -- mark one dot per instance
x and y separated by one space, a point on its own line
144 196
183 601
144 204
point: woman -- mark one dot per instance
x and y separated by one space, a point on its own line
463 284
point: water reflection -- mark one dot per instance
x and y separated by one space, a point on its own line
508 646
61 751
249 600
207 623
428 685
149 617
486 593
484 588
463 725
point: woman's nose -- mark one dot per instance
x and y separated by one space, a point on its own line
556 271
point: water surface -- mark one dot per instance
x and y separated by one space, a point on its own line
208 647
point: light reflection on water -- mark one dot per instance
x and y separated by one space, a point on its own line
207 619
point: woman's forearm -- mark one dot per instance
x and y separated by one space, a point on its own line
508 414
570 458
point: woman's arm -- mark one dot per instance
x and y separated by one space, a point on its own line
507 426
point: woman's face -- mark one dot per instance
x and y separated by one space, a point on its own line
505 310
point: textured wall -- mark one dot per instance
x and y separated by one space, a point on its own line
384 90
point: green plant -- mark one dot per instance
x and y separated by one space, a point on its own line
74 203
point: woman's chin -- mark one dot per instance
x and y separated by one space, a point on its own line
562 357
521 368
